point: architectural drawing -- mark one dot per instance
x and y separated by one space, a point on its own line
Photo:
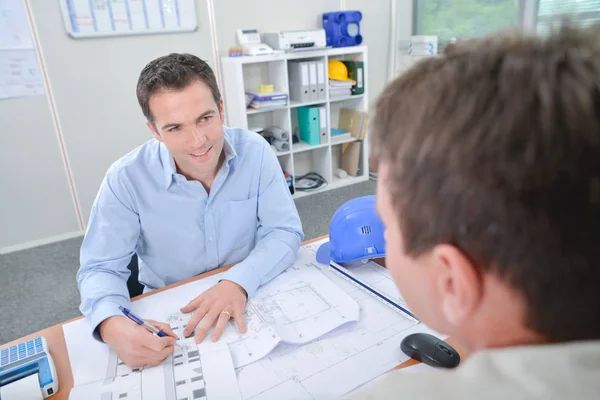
297 307
340 361
179 377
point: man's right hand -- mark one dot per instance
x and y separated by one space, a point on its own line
134 344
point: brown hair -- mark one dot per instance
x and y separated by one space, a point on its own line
495 148
173 72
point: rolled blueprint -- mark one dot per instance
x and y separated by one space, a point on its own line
281 145
278 133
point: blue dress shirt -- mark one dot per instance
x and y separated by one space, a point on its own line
178 230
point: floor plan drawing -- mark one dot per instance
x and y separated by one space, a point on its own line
338 362
297 307
182 376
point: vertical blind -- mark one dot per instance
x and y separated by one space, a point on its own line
551 13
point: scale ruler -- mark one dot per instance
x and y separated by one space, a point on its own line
382 298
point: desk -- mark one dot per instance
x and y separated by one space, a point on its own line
58 347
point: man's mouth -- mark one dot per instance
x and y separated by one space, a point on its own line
201 154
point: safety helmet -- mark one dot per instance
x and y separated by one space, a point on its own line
338 71
355 233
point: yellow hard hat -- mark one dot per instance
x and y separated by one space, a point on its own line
337 71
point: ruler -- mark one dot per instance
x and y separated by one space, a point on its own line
377 295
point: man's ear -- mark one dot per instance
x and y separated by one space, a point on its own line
459 283
222 111
150 126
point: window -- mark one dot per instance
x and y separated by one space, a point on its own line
463 19
552 12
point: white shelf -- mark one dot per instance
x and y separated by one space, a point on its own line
344 98
241 73
336 183
303 146
251 111
342 141
295 104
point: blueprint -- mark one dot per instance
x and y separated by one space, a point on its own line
298 306
311 334
342 360
186 374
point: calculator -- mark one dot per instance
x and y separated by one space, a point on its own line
28 358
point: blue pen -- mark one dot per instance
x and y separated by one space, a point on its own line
141 322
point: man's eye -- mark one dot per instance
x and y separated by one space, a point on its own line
206 119
174 129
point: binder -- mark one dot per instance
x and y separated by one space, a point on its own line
321 80
356 73
323 124
308 124
299 85
313 82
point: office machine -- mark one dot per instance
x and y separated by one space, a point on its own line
296 40
249 39
29 358
343 28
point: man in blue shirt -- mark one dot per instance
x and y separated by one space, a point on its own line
197 197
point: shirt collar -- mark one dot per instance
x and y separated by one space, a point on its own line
169 163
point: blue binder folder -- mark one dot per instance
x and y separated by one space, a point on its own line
308 124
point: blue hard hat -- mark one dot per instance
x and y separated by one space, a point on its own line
355 233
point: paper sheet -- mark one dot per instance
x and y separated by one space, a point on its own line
338 363
188 373
19 74
14 28
26 388
296 307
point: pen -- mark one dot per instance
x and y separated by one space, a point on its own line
141 322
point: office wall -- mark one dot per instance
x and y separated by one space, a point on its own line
93 85
35 200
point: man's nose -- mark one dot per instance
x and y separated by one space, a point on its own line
198 136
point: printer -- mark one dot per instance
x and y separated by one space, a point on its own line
296 40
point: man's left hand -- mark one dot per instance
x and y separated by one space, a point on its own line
218 304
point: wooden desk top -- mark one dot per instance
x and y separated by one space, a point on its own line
58 347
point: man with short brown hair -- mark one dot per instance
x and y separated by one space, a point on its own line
489 188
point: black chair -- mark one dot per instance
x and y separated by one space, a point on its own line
133 284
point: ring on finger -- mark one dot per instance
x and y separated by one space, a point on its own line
227 313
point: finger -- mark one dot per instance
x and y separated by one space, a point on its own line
205 325
192 305
193 322
220 327
137 362
238 315
166 328
157 343
159 356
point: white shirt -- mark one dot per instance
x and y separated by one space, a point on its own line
565 371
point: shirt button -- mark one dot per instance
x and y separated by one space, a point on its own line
210 239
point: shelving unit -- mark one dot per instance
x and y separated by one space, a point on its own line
241 74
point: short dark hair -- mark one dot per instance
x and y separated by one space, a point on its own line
494 148
173 72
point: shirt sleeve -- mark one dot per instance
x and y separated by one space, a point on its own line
279 230
110 242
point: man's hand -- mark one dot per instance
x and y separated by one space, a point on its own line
135 345
223 301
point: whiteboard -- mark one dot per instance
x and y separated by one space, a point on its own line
90 18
